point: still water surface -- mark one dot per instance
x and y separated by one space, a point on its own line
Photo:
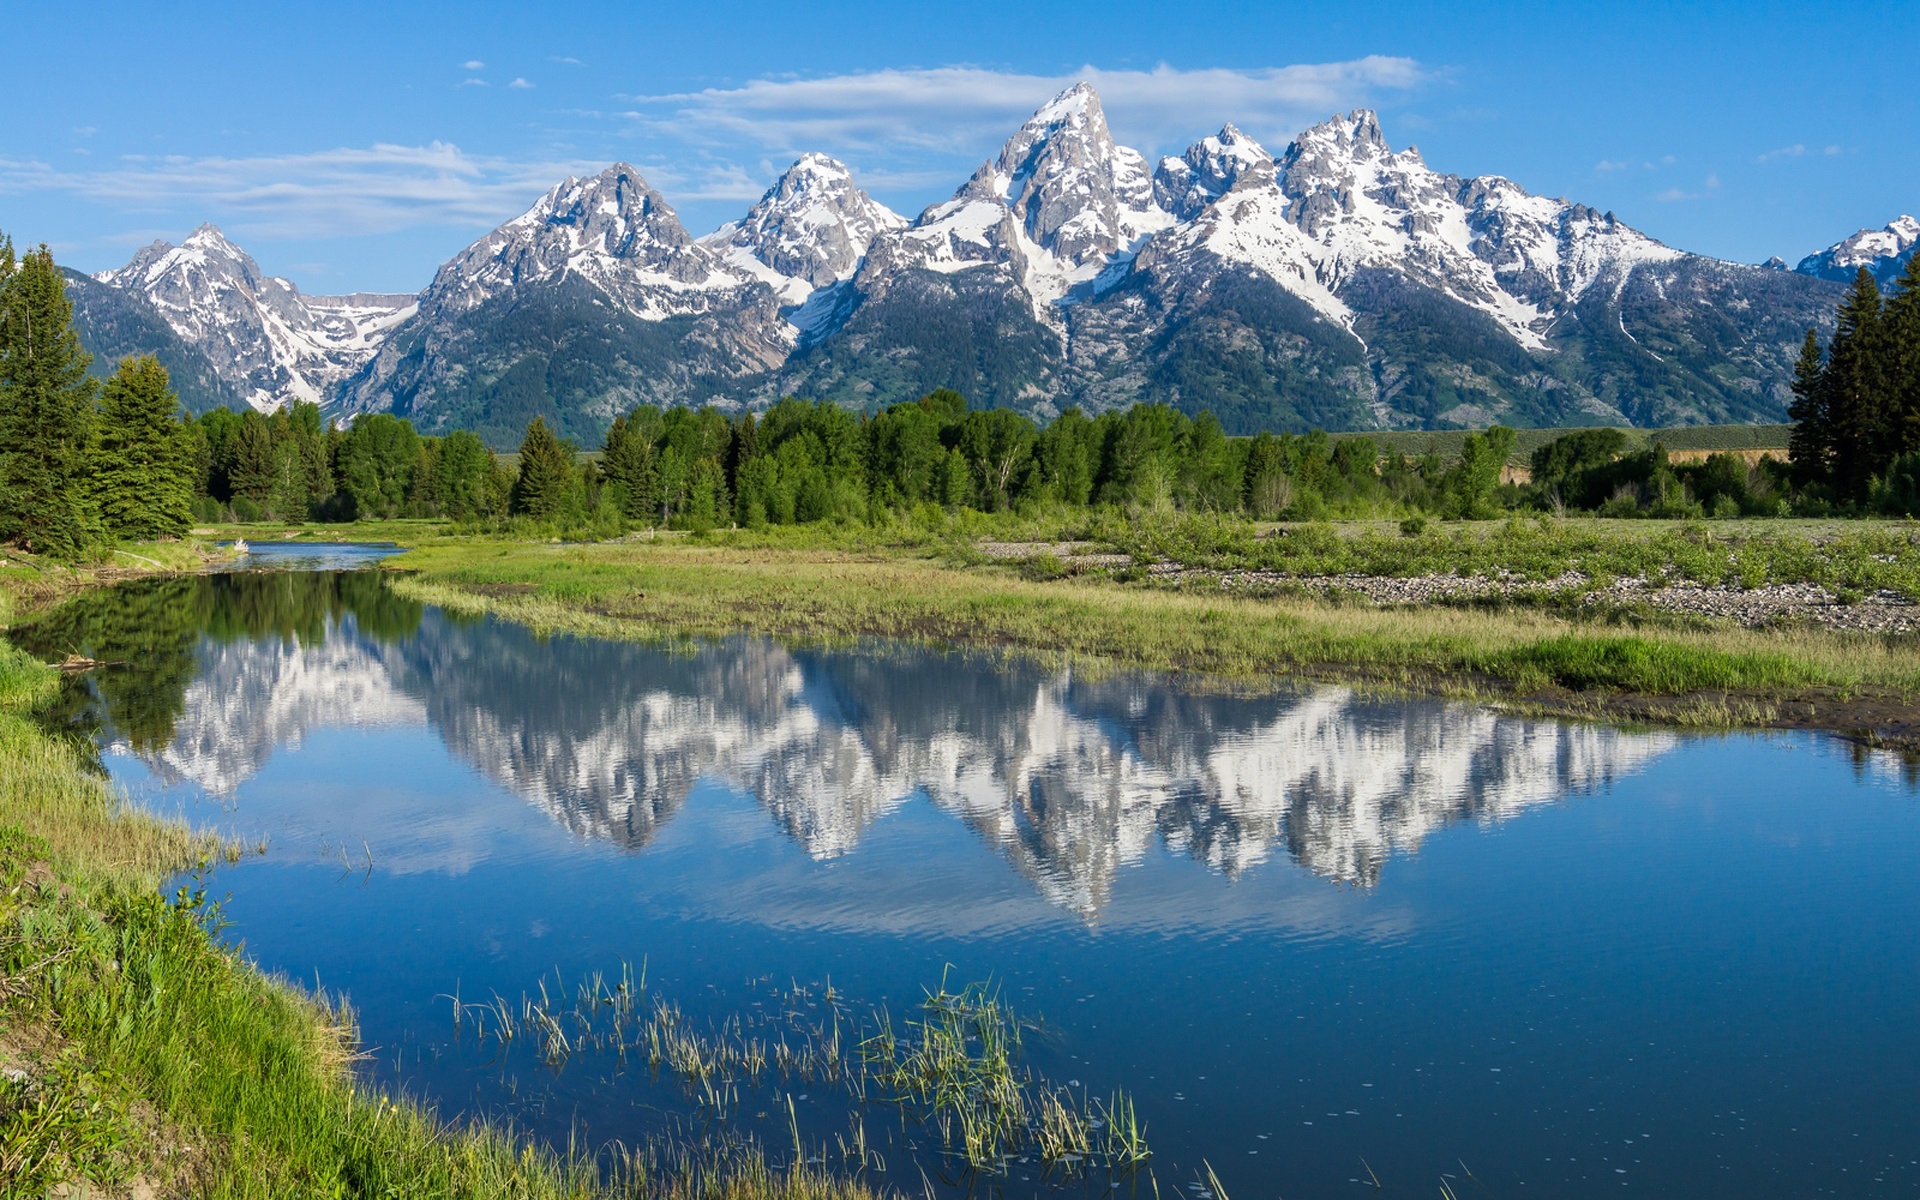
1320 937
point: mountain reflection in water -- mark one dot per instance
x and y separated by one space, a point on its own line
1069 778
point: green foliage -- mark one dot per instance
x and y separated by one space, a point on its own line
1560 466
1899 491
46 412
142 476
68 1122
377 460
1468 490
250 475
462 477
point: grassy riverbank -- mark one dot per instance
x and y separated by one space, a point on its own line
29 580
920 587
140 1057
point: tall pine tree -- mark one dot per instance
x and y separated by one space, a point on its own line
252 474
46 412
142 469
545 485
1810 442
1854 384
1901 321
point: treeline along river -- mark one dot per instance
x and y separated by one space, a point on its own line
1318 937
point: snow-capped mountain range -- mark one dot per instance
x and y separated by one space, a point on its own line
1884 252
1339 283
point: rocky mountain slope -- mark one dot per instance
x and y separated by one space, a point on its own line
263 338
115 322
1340 283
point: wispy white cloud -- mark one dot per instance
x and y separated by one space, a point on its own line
473 82
330 193
1674 195
955 108
710 181
519 82
1797 150
474 64
1609 166
568 59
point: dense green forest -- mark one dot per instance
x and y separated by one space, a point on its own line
85 463
1856 409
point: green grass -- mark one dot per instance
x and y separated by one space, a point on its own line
711 588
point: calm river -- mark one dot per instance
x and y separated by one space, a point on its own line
1321 938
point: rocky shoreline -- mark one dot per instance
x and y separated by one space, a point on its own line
1882 612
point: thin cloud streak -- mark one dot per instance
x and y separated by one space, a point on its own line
949 109
331 193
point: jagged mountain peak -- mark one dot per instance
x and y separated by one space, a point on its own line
1074 192
611 229
208 234
616 212
1356 134
1063 271
811 228
260 335
1211 166
1884 252
204 250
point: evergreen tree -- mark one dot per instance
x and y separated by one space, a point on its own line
1902 321
46 411
252 474
461 476
626 460
289 497
545 485
1855 389
301 423
1809 443
220 429
142 458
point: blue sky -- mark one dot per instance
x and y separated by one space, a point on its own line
356 146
